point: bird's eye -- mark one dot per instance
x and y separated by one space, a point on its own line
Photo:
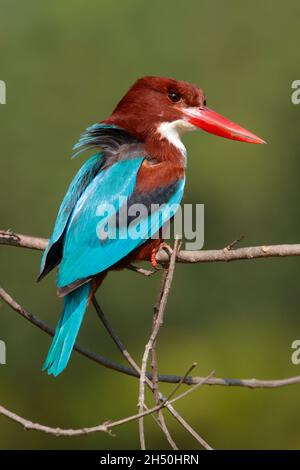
173 96
204 103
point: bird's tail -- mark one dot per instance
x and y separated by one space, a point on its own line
75 304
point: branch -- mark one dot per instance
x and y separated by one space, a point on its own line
162 301
136 368
156 393
7 237
133 372
107 325
158 321
204 256
50 331
164 258
105 427
134 365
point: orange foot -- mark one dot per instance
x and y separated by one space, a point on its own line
163 246
153 258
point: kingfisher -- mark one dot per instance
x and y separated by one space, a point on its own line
139 157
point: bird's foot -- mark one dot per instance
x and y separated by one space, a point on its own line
153 258
162 246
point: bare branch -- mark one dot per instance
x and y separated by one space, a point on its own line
134 365
144 272
226 255
7 237
160 415
203 256
168 259
109 328
227 382
183 379
158 321
105 427
29 425
50 331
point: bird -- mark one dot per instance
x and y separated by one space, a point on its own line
139 156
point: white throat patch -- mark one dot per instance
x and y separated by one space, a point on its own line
173 130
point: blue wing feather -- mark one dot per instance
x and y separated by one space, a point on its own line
84 254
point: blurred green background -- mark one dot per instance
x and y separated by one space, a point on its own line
66 64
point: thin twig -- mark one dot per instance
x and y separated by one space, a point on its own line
109 328
234 243
105 427
125 354
158 321
182 381
160 415
187 426
144 272
190 390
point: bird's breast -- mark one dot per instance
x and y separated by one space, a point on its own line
153 176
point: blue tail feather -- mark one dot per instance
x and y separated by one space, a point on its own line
67 329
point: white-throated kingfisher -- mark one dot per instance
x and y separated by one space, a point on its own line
139 156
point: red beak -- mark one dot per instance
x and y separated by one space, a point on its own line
212 122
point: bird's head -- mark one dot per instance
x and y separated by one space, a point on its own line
169 107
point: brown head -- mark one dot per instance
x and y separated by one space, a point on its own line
164 108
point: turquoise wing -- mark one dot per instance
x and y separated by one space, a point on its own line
98 135
85 252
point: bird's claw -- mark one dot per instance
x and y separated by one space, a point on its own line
162 246
153 259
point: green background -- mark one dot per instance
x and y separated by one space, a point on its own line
66 64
